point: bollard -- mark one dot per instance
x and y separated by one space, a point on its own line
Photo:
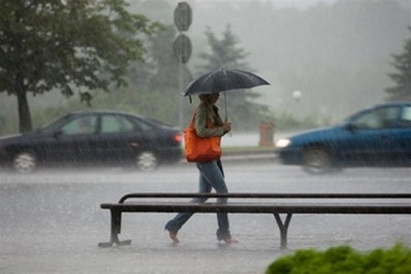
266 134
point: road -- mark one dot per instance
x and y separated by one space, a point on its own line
51 221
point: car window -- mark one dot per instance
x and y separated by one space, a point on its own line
55 124
115 124
378 118
141 124
405 121
145 126
81 125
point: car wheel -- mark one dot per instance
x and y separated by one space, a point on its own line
24 162
146 161
316 161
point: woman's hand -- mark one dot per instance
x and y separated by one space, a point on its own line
226 126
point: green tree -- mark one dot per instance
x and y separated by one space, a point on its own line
227 53
402 63
68 46
162 55
160 68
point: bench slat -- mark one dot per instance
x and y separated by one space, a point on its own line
301 208
269 195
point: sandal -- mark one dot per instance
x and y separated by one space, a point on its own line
230 241
173 237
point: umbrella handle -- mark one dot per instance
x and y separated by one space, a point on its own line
226 117
225 105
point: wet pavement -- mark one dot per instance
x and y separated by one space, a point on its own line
51 221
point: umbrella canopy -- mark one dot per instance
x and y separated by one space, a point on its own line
222 80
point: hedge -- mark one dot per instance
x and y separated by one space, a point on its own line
344 260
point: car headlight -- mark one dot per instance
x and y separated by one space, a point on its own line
283 143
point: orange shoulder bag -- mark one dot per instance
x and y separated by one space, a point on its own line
198 149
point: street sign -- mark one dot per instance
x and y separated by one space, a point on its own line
182 16
182 48
182 45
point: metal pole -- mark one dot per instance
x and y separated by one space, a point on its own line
181 99
225 106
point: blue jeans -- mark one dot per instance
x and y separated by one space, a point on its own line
211 176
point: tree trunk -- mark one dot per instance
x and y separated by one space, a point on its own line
25 124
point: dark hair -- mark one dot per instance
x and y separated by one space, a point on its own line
207 98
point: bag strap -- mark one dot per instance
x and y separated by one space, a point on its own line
209 125
192 119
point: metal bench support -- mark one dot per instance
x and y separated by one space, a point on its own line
283 228
115 230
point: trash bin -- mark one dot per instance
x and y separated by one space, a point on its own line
266 134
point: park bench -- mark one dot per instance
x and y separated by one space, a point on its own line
261 203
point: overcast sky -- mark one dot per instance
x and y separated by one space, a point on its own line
302 4
292 3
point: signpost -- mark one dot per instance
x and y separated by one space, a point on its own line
182 48
183 16
182 45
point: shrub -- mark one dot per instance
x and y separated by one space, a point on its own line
344 260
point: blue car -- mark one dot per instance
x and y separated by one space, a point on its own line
379 136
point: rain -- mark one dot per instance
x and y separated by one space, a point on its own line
324 60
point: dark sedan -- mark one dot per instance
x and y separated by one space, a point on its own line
94 138
378 136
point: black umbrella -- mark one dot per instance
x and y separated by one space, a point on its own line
223 80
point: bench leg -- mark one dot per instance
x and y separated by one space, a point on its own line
115 230
283 228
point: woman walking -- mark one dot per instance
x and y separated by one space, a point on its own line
207 123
